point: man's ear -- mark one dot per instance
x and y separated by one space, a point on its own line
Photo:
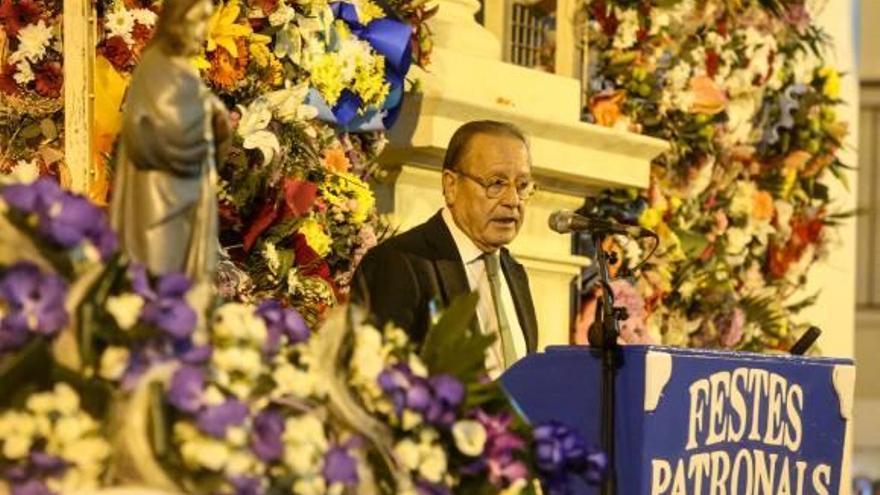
449 185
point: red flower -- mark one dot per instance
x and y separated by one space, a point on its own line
117 52
308 261
712 61
49 79
299 196
267 214
804 231
14 15
7 82
141 35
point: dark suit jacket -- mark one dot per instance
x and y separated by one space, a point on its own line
398 278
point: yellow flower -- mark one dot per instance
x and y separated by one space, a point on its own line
650 218
831 88
369 81
223 29
368 11
364 198
326 76
316 236
259 50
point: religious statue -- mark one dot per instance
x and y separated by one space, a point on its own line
173 134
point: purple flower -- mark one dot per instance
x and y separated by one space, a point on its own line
266 436
166 307
427 488
64 219
47 463
436 398
500 453
189 353
185 392
214 420
31 487
32 198
339 467
35 301
448 395
560 451
282 321
246 485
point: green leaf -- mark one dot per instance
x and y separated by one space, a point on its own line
158 421
451 346
804 303
692 243
30 364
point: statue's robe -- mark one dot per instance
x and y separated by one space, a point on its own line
164 205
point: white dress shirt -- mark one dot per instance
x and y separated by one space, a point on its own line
478 281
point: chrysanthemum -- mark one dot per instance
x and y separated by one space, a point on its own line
120 23
228 71
33 40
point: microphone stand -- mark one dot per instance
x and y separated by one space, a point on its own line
605 338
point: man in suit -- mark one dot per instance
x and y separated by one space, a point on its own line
486 183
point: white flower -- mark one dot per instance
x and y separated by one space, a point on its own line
205 452
304 444
145 17
290 380
25 172
120 23
125 309
740 112
18 430
737 240
114 361
470 437
236 321
743 197
62 399
282 15
784 211
33 40
23 72
287 104
270 254
252 128
660 19
425 457
627 30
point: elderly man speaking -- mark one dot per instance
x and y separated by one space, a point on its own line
486 184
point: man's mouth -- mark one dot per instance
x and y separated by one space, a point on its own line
508 221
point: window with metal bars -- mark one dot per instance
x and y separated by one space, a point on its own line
530 31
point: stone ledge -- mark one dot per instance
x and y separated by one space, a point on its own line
568 155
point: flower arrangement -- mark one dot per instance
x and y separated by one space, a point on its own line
31 77
310 87
121 379
745 95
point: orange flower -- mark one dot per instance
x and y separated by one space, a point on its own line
335 160
606 107
708 97
795 161
819 163
226 71
762 206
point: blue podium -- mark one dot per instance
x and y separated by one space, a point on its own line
701 422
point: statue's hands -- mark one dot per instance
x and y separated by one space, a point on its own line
222 130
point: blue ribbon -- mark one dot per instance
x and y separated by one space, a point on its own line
389 38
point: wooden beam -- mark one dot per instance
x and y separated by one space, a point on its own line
79 56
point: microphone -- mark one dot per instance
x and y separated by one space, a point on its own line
566 221
806 341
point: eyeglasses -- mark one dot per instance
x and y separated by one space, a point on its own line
496 186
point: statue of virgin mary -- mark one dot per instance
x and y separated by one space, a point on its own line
164 204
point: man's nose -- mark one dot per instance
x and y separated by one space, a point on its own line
509 197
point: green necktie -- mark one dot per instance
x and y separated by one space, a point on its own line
493 271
